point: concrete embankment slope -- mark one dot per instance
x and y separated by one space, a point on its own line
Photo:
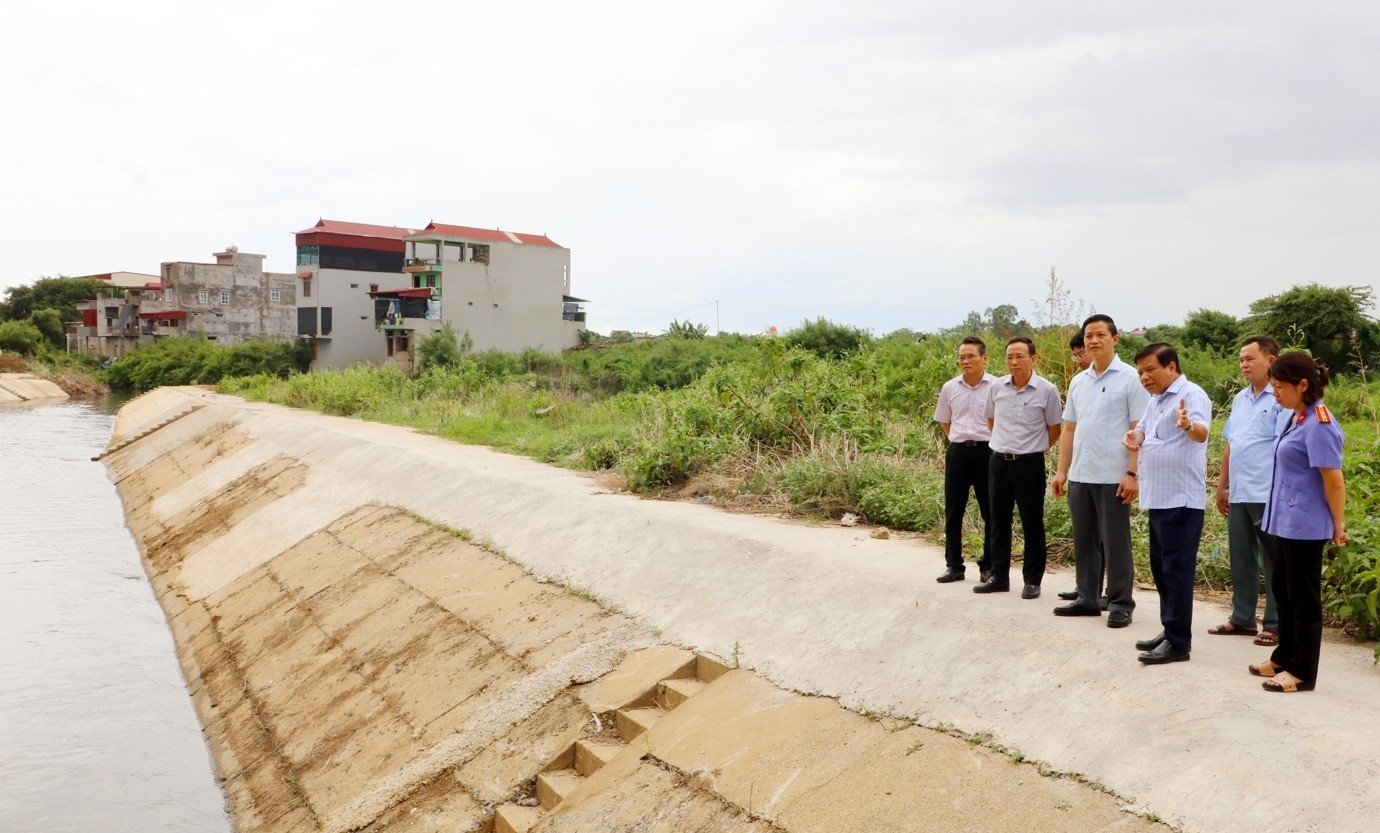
358 666
24 387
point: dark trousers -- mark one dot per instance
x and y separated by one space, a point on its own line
1252 553
1018 484
1101 545
1298 595
1174 538
965 470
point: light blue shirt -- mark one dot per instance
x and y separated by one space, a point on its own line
1173 468
1255 420
1102 407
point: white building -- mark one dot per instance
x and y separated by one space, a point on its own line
507 290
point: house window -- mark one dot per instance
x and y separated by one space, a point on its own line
167 295
306 287
308 255
276 294
225 297
203 296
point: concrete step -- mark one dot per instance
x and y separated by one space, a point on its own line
591 755
514 818
554 786
633 722
136 438
675 692
709 669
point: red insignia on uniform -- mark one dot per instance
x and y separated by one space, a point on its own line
1324 415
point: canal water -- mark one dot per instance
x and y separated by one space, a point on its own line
97 732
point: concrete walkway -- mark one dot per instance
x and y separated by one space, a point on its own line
833 612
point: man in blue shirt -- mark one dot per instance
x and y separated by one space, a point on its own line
1169 450
1243 486
1095 471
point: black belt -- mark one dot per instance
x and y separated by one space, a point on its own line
972 443
1006 455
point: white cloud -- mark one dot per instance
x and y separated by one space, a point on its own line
885 164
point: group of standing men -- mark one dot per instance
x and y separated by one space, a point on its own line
1124 434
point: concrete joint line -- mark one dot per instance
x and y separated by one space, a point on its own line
522 700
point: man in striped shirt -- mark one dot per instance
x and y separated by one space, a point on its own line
1169 451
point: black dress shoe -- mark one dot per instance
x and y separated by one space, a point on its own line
1118 619
1032 591
985 575
1150 644
993 586
1102 602
1076 610
950 575
1164 652
1069 595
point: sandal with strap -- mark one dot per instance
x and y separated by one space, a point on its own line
1265 669
1285 683
1267 638
1230 628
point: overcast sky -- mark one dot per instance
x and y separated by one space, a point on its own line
884 164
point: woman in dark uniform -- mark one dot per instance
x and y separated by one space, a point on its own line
1304 512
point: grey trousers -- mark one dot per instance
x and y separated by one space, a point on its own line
1100 518
1251 555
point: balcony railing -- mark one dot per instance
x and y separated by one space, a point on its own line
421 264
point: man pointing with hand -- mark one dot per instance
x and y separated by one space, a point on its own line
1169 449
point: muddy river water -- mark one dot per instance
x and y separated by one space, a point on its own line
96 730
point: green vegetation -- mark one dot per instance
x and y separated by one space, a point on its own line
771 424
196 361
40 309
20 337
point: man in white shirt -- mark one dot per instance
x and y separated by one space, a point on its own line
1095 471
961 414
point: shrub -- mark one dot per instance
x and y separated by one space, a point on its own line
442 349
20 337
826 339
191 361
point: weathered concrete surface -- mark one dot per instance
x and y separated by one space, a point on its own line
827 611
23 387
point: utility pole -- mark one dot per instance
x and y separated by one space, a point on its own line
716 318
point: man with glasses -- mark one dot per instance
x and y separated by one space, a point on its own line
962 414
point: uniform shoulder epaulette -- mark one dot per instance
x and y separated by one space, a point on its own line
1324 415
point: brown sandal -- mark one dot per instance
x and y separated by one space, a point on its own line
1267 638
1230 628
1285 683
1264 669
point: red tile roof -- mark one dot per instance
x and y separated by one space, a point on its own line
359 229
494 235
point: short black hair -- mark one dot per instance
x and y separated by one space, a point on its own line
1268 346
1076 343
1163 353
1096 317
981 345
1297 366
1023 340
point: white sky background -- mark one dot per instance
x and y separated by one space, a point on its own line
883 164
